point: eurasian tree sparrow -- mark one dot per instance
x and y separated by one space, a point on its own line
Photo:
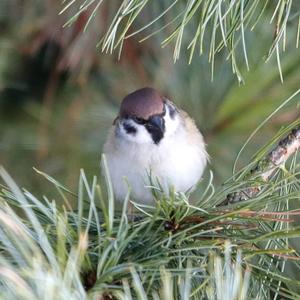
152 136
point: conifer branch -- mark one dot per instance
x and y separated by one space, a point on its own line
265 168
203 26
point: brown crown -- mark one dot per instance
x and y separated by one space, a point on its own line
142 103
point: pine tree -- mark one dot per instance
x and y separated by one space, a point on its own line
235 240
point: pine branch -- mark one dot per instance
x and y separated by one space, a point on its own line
112 256
265 168
202 26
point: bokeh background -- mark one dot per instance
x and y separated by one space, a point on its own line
59 94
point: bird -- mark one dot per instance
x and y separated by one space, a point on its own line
152 136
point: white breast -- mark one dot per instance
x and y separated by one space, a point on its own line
178 160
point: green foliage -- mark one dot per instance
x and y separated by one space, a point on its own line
70 135
171 250
179 248
212 26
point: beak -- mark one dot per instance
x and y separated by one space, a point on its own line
157 123
156 127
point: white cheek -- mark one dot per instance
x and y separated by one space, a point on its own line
171 125
141 136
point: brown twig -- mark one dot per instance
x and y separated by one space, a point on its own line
266 167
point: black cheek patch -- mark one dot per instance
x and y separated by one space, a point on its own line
129 129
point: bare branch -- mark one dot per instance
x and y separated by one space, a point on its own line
266 167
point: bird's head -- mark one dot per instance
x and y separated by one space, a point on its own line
146 117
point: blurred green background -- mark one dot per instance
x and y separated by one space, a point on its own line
59 94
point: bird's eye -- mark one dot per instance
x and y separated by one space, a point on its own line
172 111
139 120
